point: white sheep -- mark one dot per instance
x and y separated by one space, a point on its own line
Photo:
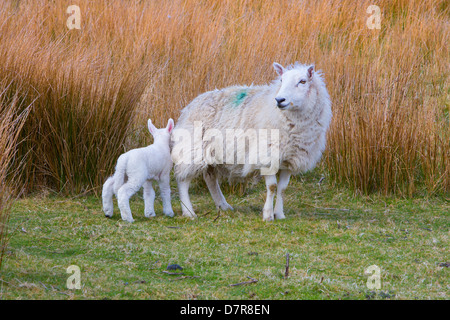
296 105
137 168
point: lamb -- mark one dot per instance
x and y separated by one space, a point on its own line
296 107
137 168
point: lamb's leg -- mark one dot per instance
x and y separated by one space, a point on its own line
123 197
271 185
149 199
214 188
186 206
283 182
164 188
107 197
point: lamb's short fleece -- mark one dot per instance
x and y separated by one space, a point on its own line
140 167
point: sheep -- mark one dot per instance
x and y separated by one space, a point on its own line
137 168
295 106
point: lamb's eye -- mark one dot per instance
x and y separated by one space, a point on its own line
302 81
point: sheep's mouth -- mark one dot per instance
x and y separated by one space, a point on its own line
282 106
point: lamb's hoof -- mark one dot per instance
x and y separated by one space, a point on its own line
267 215
279 216
225 207
150 214
108 213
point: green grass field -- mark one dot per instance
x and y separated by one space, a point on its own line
331 236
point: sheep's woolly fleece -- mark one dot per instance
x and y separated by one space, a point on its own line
302 130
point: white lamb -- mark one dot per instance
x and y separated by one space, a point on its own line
137 168
296 106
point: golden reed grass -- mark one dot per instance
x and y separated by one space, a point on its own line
134 60
11 123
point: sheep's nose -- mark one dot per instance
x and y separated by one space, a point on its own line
280 101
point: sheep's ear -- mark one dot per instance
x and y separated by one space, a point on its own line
278 68
170 125
310 72
151 127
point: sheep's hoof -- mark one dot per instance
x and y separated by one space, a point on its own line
190 215
150 214
279 216
225 207
129 219
169 213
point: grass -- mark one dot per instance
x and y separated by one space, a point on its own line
331 235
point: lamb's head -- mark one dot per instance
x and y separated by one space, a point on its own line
296 83
162 134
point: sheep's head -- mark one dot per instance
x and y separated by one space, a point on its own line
295 87
160 133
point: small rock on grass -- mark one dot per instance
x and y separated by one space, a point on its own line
173 267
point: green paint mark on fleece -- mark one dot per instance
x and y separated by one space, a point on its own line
240 96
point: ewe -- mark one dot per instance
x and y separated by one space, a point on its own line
137 168
296 105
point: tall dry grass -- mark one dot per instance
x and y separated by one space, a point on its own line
11 123
389 87
85 87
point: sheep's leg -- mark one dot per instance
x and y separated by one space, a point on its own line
214 188
149 199
107 197
281 186
123 197
186 206
271 185
164 188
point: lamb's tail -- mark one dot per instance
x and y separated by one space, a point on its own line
119 175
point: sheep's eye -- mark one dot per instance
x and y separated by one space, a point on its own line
302 81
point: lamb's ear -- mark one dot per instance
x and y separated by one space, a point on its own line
170 125
310 72
278 68
151 127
